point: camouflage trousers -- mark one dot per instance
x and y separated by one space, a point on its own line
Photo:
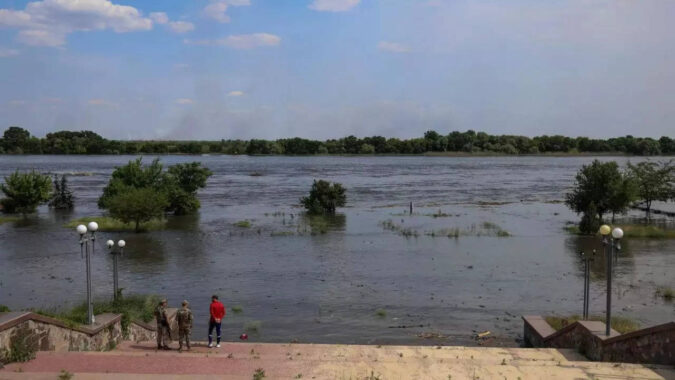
184 335
163 335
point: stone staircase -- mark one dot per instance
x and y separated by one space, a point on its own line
313 361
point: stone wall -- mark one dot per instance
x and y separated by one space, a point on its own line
35 332
141 332
655 345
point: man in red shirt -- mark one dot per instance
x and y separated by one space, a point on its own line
217 311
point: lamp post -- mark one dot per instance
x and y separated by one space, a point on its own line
615 246
587 282
111 246
92 227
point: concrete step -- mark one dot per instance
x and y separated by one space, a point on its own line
286 361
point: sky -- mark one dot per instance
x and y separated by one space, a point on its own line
226 69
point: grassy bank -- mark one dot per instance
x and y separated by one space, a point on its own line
636 231
108 224
620 324
133 307
7 219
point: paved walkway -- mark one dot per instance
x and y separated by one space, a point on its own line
310 361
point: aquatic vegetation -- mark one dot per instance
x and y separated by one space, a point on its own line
108 224
243 224
381 313
622 325
252 326
400 230
256 174
666 293
237 309
282 233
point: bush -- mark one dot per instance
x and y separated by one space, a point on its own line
63 197
24 192
4 309
324 197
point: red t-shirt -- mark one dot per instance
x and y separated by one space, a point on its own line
217 310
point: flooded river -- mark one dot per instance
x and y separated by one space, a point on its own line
327 282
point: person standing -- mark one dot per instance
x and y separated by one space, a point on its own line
184 319
163 333
217 311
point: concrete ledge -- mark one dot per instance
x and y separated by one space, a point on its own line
654 345
16 318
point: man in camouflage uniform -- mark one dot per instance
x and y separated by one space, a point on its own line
163 332
184 319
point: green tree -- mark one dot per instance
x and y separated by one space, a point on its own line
182 183
654 180
324 197
15 140
601 186
24 192
132 175
63 197
138 205
367 149
179 183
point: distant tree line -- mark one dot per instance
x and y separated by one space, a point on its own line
17 140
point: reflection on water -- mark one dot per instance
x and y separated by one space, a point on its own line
321 279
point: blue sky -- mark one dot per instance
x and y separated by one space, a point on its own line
212 69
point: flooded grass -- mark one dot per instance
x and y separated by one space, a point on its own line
237 309
7 219
252 326
620 324
243 224
108 224
665 292
381 313
399 229
483 229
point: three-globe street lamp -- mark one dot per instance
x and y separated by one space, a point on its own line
92 227
615 246
115 253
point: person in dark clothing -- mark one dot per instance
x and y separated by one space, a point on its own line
163 331
217 311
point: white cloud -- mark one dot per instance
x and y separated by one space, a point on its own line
241 41
235 93
175 26
333 5
217 10
393 47
184 101
159 17
181 26
48 22
5 52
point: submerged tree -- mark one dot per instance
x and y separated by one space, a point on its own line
179 185
24 192
138 205
324 197
600 188
655 181
63 197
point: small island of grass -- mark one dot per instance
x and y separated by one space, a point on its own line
108 224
